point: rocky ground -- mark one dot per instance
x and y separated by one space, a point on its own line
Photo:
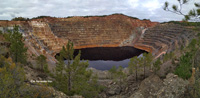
152 87
163 85
35 75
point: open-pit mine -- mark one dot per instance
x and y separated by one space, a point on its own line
112 35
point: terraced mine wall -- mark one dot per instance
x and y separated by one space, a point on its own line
47 35
165 38
109 31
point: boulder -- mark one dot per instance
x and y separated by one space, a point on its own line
149 87
154 87
114 90
174 87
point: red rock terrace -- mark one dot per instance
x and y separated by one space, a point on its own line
47 35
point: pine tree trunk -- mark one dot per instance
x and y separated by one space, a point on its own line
69 76
120 84
69 81
136 73
16 56
144 71
42 67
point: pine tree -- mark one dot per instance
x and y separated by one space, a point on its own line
42 63
17 49
12 83
133 65
118 75
146 61
113 72
3 50
11 78
193 14
121 75
156 66
71 76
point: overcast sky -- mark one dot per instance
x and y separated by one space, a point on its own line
143 9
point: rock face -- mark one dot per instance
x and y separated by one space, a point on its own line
47 35
164 38
109 31
154 87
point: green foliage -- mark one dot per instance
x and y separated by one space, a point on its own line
198 41
185 66
11 78
156 66
125 15
112 72
171 54
16 49
7 36
3 50
42 63
1 33
95 16
197 5
12 83
93 90
187 17
20 19
196 93
41 17
146 19
182 47
165 58
146 61
192 12
192 45
184 23
121 76
195 25
166 5
133 65
177 9
187 61
118 75
72 77
198 34
133 17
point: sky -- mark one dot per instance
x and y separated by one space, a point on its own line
142 9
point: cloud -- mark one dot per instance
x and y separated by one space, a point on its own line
149 9
151 5
133 3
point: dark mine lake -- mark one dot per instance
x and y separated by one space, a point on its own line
103 58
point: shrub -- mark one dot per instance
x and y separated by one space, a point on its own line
185 66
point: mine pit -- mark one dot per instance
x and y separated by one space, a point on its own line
103 58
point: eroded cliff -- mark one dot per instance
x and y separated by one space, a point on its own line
47 35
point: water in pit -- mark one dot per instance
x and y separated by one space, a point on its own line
103 58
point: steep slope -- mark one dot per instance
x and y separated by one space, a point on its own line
47 35
164 38
109 31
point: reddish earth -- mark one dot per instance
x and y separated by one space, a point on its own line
47 35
